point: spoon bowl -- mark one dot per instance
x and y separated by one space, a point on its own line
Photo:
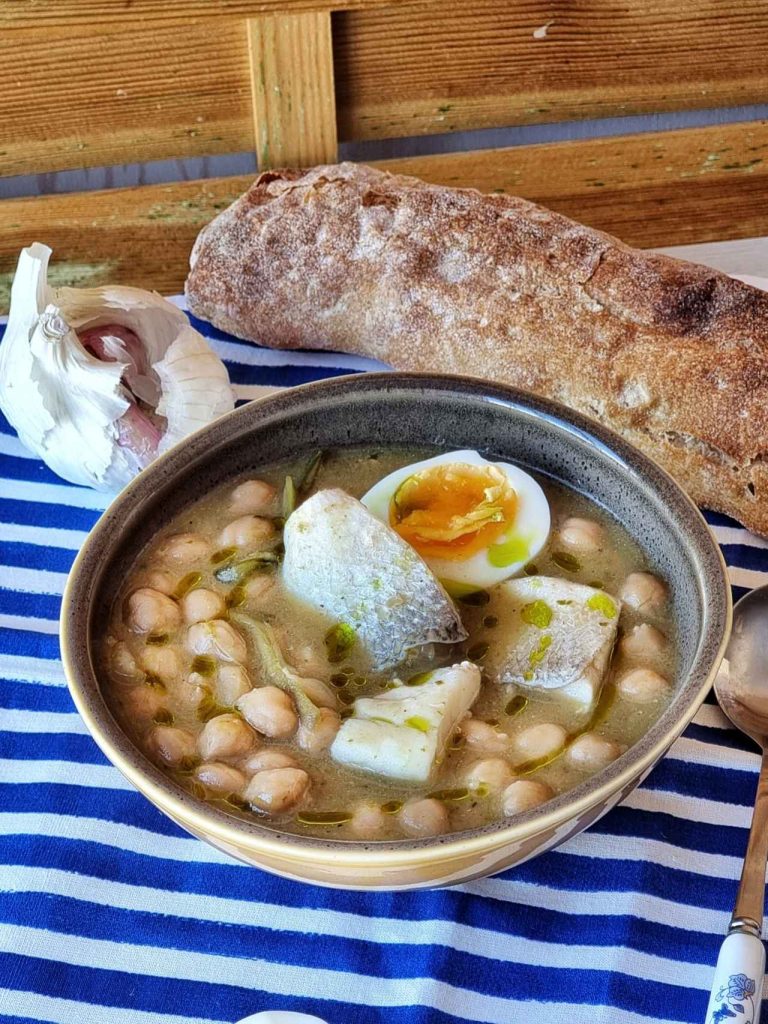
741 688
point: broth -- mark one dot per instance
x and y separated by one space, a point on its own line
166 686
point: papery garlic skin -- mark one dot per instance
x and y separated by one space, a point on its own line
62 402
98 421
195 386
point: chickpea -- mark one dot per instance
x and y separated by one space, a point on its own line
266 759
221 778
590 752
642 643
246 532
642 686
258 588
231 683
643 592
162 662
523 795
251 496
539 741
582 534
278 789
149 611
217 638
494 772
142 703
422 818
184 549
368 821
270 711
225 736
202 604
172 745
189 697
321 733
162 581
308 660
123 662
319 693
484 736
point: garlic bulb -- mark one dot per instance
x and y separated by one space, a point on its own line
99 381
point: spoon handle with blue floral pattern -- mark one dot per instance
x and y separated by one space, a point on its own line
738 982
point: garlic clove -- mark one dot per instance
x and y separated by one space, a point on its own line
195 387
122 345
98 381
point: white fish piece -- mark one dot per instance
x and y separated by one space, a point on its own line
340 558
555 635
401 733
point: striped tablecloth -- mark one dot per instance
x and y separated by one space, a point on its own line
109 913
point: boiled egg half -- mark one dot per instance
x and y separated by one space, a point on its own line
474 522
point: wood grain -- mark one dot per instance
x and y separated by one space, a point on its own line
133 91
661 189
36 16
294 108
491 62
72 103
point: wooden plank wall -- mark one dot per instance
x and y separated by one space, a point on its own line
154 91
291 70
148 80
40 17
489 62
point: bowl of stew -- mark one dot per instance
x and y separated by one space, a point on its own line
394 630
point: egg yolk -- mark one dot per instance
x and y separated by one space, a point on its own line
453 510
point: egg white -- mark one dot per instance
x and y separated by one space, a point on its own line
531 524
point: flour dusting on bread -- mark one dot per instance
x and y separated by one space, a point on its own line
672 355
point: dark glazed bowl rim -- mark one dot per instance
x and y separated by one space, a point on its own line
229 831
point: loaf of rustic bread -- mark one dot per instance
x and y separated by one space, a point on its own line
672 355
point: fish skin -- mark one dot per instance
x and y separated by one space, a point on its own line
378 739
343 560
576 662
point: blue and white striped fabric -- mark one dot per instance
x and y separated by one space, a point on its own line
109 913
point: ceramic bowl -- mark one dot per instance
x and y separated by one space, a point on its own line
407 410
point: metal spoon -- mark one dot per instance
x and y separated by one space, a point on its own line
741 688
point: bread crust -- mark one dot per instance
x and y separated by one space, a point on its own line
672 355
